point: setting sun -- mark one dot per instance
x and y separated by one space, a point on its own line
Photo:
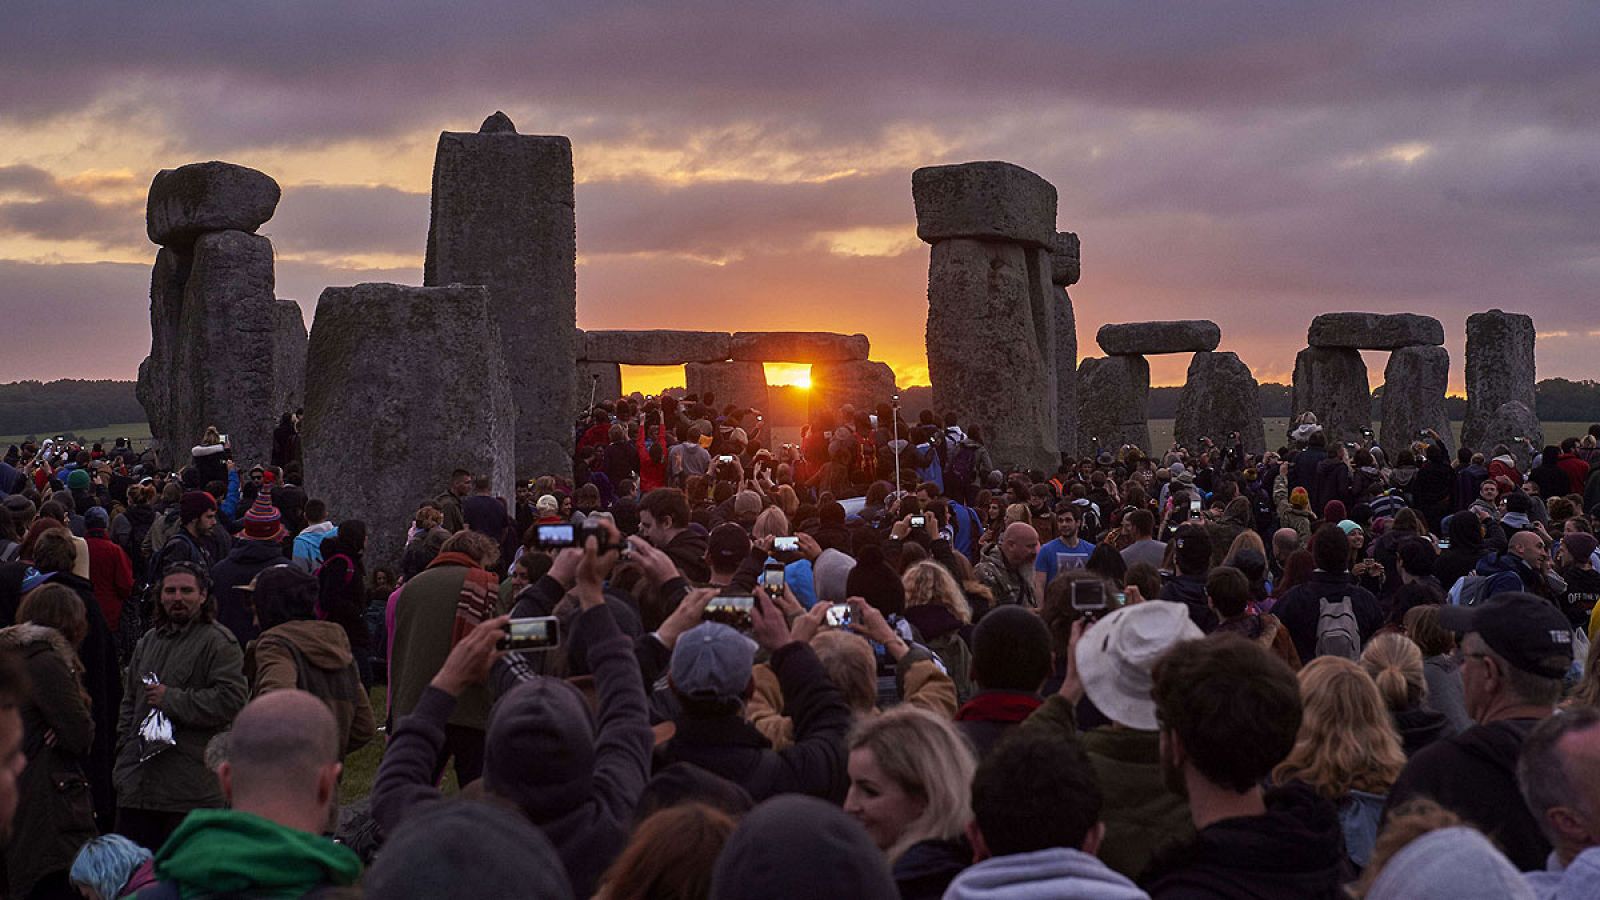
791 374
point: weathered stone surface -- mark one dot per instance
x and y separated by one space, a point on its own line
1064 262
990 345
1507 425
502 217
497 123
859 383
984 201
1374 331
214 358
289 356
1219 397
655 348
1113 404
1065 326
798 346
598 382
1332 383
191 200
738 383
1500 370
1151 338
388 416
1414 383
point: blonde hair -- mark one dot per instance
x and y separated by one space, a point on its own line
1346 741
211 436
1246 540
1422 626
787 500
771 523
928 582
929 760
1395 664
1018 512
848 660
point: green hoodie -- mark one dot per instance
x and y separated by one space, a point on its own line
222 850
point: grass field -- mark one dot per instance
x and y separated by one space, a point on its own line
133 431
361 767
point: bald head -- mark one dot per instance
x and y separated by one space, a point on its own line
1019 543
281 749
1529 547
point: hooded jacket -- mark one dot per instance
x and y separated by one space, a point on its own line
687 550
1474 775
1300 609
314 656
1295 849
236 607
219 851
1507 573
1043 874
1418 727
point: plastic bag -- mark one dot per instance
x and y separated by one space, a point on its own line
155 732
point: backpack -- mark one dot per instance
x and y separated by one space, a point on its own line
1337 633
963 469
1474 589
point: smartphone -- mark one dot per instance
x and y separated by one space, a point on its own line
919 521
772 580
1444 543
224 439
540 633
1088 596
1194 506
731 611
724 459
555 537
838 615
786 545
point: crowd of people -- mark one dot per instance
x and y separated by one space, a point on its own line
871 663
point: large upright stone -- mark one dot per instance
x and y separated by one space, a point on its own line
984 201
1064 271
598 382
1500 370
739 383
1414 383
858 383
388 416
1220 397
1374 331
502 217
1517 427
289 354
192 200
1113 404
798 346
160 390
991 345
1332 382
654 348
1155 338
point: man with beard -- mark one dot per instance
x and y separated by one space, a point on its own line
200 686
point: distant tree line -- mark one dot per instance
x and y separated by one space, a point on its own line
32 407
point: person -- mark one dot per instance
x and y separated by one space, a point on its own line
432 613
14 691
110 570
1394 663
1440 667
909 776
1112 669
260 547
111 866
672 853
1520 568
1036 825
1557 774
199 685
1228 592
941 615
449 502
664 522
1067 543
296 650
1346 750
1516 651
1191 557
57 815
1007 569
308 543
1138 531
799 848
193 540
485 513
1435 857
1575 563
342 587
466 849
688 458
1010 661
594 761
1229 712
1330 613
279 779
286 440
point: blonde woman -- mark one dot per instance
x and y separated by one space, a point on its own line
772 522
910 787
1347 749
1394 663
937 608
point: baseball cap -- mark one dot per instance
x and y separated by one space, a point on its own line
1116 655
712 661
727 544
1525 629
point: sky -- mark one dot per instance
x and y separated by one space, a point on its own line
747 166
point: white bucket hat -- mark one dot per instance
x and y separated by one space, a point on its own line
1116 655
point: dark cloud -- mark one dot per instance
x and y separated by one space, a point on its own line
349 219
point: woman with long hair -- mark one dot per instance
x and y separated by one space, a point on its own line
938 610
1440 668
1347 749
1394 663
671 855
910 787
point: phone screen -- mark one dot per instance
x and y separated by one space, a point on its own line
1088 596
838 615
532 634
772 580
1194 506
731 611
556 536
786 544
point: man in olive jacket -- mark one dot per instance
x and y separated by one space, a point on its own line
201 689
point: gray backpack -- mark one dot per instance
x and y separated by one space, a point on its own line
1337 631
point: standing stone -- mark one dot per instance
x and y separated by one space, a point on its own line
859 383
1113 404
1374 331
598 382
1064 271
984 201
502 217
289 356
192 200
1510 424
798 346
1332 383
1500 370
389 416
739 383
1220 397
1154 338
160 390
1414 383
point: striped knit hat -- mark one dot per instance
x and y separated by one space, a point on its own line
263 522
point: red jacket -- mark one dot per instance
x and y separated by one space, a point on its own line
1577 470
652 475
111 573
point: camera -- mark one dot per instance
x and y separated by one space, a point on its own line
919 521
1088 596
562 536
838 616
785 545
540 633
772 580
731 611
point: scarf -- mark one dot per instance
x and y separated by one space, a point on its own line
479 591
998 706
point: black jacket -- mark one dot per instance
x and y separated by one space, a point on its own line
1190 590
236 607
688 553
1296 849
926 869
1419 726
1302 606
1474 775
1333 483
